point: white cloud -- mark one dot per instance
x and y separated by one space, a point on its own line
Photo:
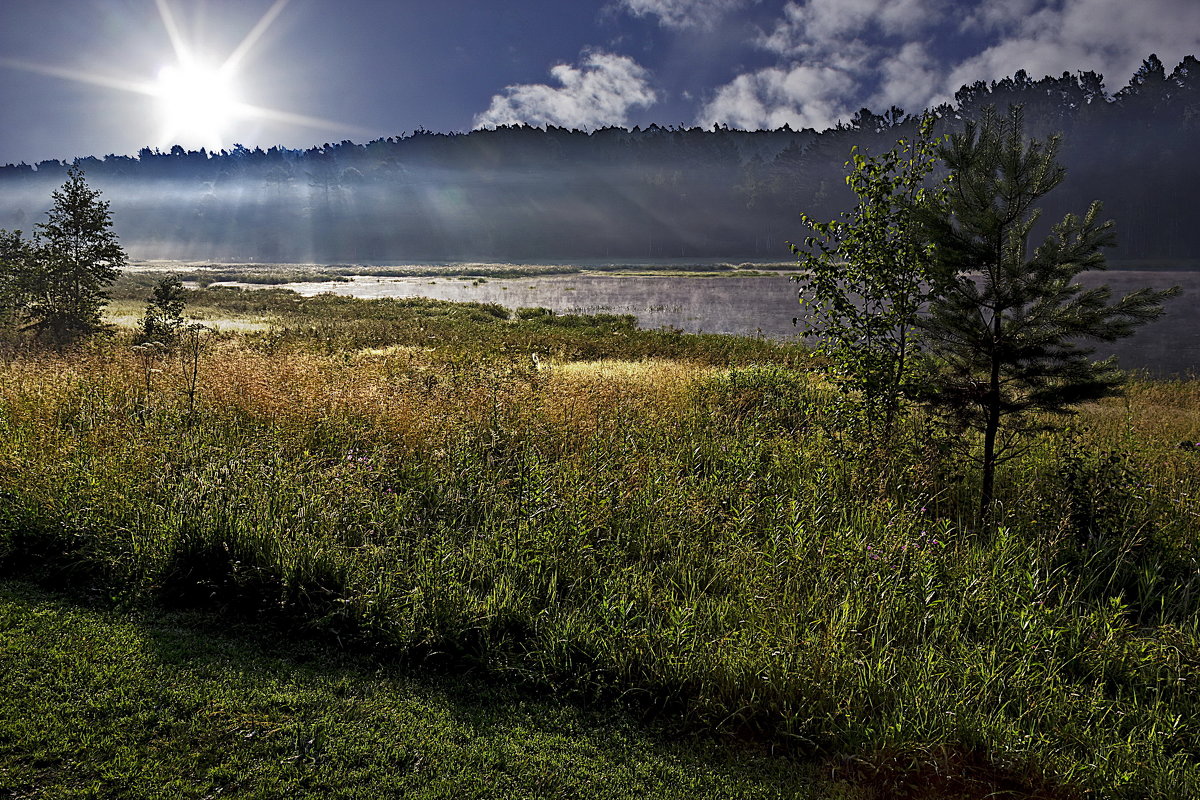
1108 36
998 15
825 26
835 53
802 97
908 78
600 92
684 13
836 56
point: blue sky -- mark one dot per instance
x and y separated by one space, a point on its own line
92 77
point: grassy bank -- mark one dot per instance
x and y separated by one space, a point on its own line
682 527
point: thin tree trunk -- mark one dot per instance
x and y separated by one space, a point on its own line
992 426
989 463
893 398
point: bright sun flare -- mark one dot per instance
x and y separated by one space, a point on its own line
198 103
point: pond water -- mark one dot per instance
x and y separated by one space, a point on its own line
766 305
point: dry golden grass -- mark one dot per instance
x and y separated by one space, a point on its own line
127 316
409 394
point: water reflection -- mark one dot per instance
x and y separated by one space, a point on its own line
764 305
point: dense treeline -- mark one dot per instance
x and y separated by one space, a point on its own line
542 194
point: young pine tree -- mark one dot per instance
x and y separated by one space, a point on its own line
164 313
1010 329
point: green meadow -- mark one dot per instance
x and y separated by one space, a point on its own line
345 548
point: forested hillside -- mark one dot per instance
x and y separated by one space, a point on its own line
522 193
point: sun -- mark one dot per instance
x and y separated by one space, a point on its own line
198 103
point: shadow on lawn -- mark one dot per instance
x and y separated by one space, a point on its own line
239 696
251 708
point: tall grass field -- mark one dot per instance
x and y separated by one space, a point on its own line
673 527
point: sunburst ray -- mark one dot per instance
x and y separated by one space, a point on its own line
251 39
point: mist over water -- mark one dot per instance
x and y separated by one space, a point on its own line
766 305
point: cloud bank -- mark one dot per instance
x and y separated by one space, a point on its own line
836 56
801 97
598 93
1107 36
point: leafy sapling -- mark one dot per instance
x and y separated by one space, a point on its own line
867 276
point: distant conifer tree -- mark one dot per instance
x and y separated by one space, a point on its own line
59 279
